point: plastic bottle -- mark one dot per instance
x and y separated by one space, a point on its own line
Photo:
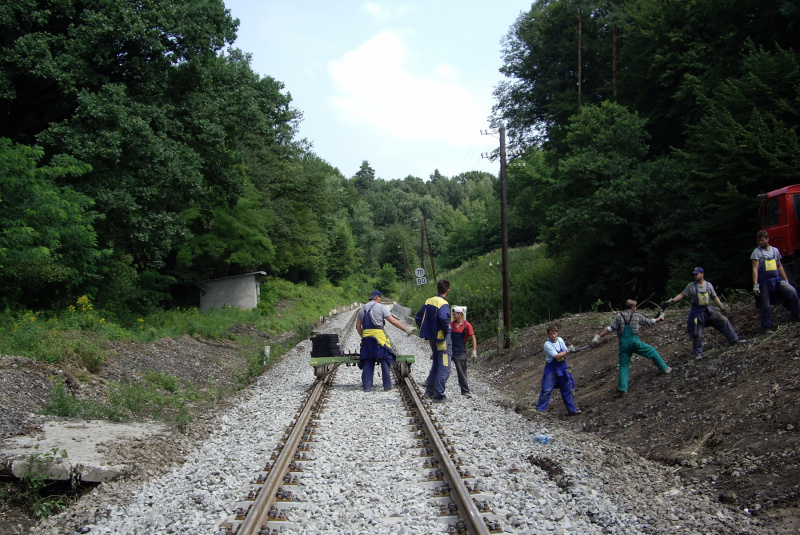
542 439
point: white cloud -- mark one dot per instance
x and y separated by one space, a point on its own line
375 87
447 72
383 11
376 10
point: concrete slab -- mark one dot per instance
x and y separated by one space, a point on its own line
63 450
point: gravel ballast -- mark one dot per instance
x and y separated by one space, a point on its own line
366 475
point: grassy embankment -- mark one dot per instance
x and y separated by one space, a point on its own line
478 284
81 337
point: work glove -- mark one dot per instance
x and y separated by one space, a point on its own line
756 290
410 330
570 349
595 341
474 354
668 303
723 308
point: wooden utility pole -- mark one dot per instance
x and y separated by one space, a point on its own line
422 247
405 267
504 225
430 251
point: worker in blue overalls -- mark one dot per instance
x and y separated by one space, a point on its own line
375 345
702 314
433 320
770 284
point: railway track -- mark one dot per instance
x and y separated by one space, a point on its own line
281 496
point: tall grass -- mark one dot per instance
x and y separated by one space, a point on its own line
83 334
478 285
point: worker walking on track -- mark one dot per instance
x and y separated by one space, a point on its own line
702 314
627 324
433 320
375 346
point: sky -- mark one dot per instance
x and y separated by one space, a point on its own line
405 85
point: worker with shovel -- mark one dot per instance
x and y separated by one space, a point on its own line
627 324
556 373
702 314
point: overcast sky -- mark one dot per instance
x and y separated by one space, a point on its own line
405 85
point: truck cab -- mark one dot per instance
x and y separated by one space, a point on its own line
779 214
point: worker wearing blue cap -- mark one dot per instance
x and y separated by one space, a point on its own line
702 314
375 345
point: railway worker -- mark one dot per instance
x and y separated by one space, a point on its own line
461 332
627 324
556 373
433 320
375 346
770 284
702 314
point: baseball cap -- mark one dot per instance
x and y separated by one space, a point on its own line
374 294
698 270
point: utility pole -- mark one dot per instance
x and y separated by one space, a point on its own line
421 247
504 246
405 267
504 243
430 251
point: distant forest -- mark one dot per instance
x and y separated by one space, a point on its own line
140 155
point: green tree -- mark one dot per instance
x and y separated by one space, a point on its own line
616 215
550 53
672 50
364 177
745 143
144 94
48 246
343 257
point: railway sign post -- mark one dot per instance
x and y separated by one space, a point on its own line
421 278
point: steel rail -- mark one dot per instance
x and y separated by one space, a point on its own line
467 507
259 511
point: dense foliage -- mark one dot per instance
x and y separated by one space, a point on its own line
140 155
648 128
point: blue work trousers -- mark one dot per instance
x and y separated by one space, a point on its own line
440 369
557 375
368 373
460 360
784 292
712 318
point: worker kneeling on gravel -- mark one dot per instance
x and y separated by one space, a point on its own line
375 346
702 314
626 324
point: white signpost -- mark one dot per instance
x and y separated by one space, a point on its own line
421 278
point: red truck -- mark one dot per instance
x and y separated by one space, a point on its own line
779 214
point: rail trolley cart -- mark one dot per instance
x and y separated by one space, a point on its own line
325 354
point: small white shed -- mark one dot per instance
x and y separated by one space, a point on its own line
238 291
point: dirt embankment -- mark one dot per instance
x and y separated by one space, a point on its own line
731 418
